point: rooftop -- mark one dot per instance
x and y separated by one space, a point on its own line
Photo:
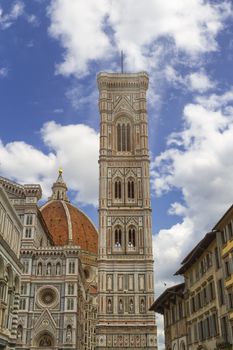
166 297
196 252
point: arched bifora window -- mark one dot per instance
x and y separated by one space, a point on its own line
123 137
58 268
39 269
118 237
130 189
131 237
117 189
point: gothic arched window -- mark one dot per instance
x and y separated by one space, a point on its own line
118 189
70 289
123 137
70 304
132 237
69 333
118 237
39 269
127 137
72 267
48 269
131 189
119 137
58 268
19 333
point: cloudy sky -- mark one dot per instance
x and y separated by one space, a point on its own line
50 53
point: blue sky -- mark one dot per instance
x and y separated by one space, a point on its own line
50 53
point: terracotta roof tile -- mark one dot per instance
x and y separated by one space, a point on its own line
84 233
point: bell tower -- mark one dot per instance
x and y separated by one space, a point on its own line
125 258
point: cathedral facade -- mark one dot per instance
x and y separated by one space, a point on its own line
81 289
57 307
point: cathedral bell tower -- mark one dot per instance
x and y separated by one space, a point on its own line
125 258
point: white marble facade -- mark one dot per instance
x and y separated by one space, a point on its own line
10 270
56 308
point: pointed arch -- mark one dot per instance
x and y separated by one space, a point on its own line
19 333
39 268
45 340
118 137
48 268
118 237
131 188
123 134
58 268
182 346
132 237
118 189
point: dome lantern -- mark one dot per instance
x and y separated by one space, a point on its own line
59 188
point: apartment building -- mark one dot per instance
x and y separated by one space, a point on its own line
171 304
201 289
207 293
224 233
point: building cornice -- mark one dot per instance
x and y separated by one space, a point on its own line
121 81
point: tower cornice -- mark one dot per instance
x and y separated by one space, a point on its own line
123 80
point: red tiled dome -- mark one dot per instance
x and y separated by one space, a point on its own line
69 225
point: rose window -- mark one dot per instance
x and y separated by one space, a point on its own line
47 296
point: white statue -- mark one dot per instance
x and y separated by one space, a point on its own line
68 334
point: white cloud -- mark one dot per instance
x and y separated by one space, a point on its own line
173 76
58 110
7 19
215 101
195 82
160 331
3 72
79 26
32 19
17 10
66 143
77 98
199 81
198 162
95 30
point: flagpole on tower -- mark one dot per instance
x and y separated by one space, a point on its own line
122 62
